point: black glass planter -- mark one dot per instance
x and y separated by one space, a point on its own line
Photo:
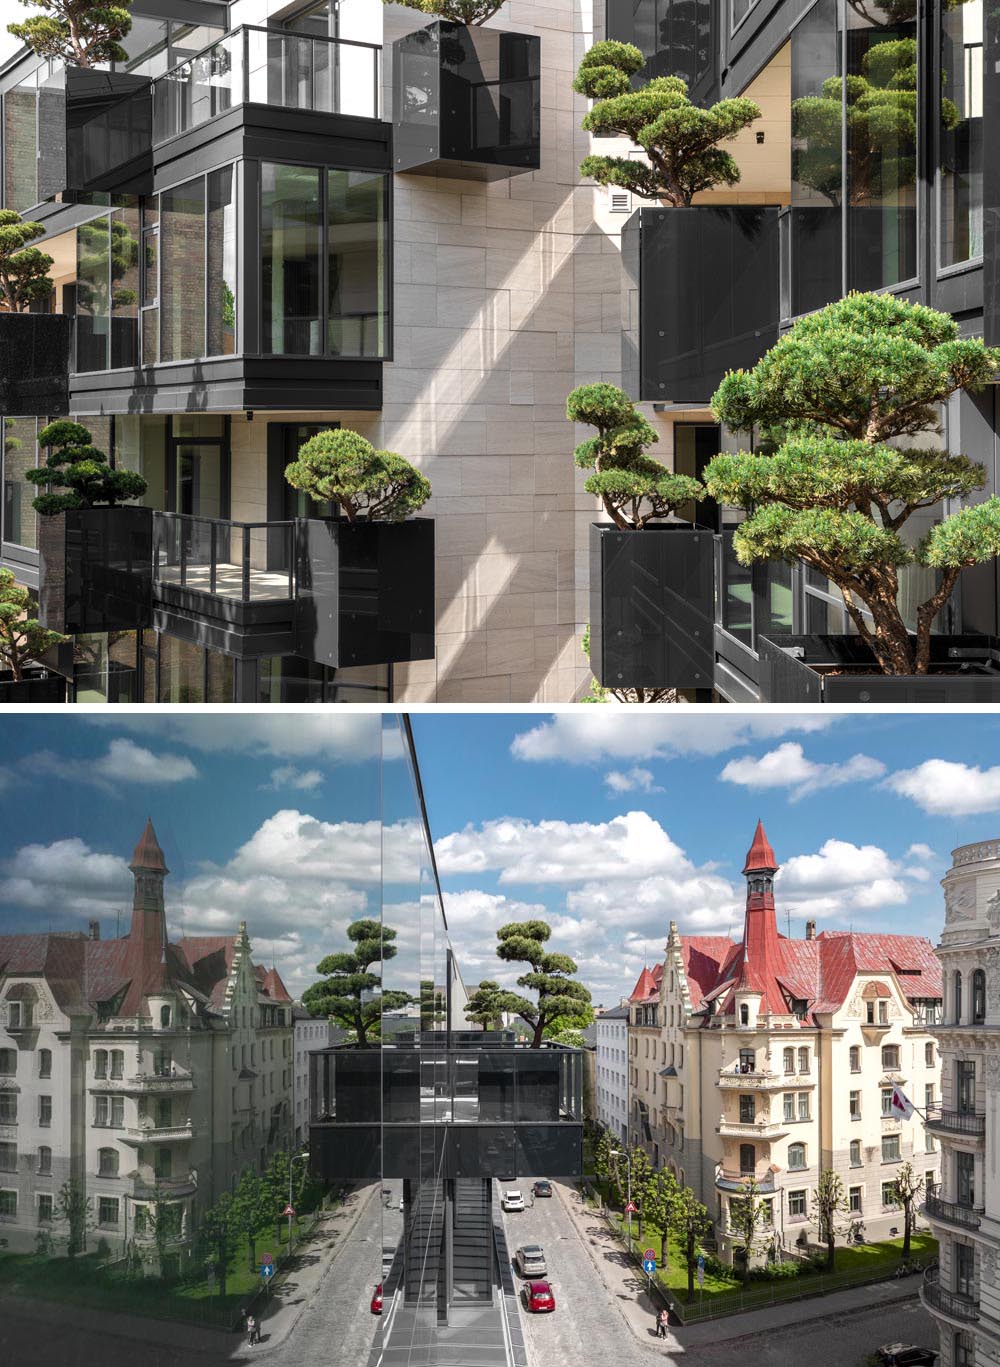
818 669
37 686
365 593
466 101
96 569
96 131
35 350
652 595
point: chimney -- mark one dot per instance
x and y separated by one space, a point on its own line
810 930
94 928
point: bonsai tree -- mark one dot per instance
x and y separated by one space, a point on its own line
846 386
79 468
487 1004
342 466
78 32
559 995
906 1191
22 636
24 270
345 992
828 1203
458 11
679 139
633 487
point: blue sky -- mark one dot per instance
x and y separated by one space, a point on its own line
610 822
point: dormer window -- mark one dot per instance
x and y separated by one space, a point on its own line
744 1014
164 1017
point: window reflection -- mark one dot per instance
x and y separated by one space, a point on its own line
961 184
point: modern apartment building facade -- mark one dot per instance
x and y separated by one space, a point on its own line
964 1208
144 1072
776 1059
612 1065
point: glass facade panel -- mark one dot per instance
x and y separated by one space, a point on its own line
291 244
125 273
221 250
356 264
93 279
181 671
20 453
182 291
812 244
961 133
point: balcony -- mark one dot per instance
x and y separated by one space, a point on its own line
966 1124
960 1214
754 1129
955 1305
735 1181
760 1081
149 1131
161 1188
701 298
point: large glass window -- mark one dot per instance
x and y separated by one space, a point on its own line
291 243
93 280
125 271
961 125
221 263
19 454
356 264
182 294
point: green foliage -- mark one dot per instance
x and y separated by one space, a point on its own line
347 977
73 1208
459 11
22 636
843 389
218 1231
252 1211
633 487
81 469
558 994
747 1214
342 466
906 1191
679 139
24 270
79 32
829 1202
689 1221
486 1006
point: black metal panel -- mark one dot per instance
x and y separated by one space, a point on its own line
793 677
317 607
354 1152
108 132
708 298
246 631
96 569
36 687
35 350
651 606
466 97
991 176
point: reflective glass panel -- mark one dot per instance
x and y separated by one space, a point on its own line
961 133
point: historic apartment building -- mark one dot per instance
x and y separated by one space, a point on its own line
775 1058
139 1070
963 1293
612 1070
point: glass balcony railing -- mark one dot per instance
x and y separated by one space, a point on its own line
271 67
225 559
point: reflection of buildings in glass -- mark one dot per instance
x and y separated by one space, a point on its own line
145 1070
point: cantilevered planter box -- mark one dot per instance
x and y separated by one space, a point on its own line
96 569
652 595
38 686
365 593
795 669
466 101
35 353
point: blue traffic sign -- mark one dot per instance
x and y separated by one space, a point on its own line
267 1270
649 1266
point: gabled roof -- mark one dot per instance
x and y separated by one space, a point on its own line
648 986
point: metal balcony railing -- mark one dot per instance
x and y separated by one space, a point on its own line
952 1212
955 1122
957 1304
271 67
226 559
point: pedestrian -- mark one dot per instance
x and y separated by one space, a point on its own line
662 1321
253 1333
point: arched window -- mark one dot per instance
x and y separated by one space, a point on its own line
788 1060
165 1017
101 1063
8 1062
957 998
855 1153
748 1159
796 1155
45 1063
107 1162
978 997
744 1014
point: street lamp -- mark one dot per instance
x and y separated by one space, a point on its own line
619 1153
295 1158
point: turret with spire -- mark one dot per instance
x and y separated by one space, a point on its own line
149 869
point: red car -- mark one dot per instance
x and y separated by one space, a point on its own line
376 1305
539 1297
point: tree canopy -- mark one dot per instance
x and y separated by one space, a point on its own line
486 1006
22 636
79 468
24 270
551 977
469 12
844 386
348 991
680 140
342 466
79 32
633 487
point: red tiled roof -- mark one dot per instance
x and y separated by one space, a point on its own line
703 957
274 987
648 984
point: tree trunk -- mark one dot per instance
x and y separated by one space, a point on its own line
536 1042
830 1251
925 618
15 666
906 1230
690 1263
252 1244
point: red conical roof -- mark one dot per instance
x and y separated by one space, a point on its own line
760 855
645 987
147 854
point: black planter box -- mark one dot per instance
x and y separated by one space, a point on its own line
37 687
789 664
466 101
96 569
35 351
652 600
365 592
95 132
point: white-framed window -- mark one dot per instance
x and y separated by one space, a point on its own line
855 1153
101 1063
107 1162
883 1011
855 1058
889 1193
117 1063
890 1057
854 1101
803 1105
796 1156
45 1063
44 1208
796 1203
890 1148
788 1060
44 1159
886 1094
8 1204
929 1054
788 1106
45 1110
854 1200
803 1060
107 1211
8 1157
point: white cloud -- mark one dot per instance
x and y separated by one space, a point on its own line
124 762
287 776
787 767
593 734
631 780
349 738
66 876
842 876
944 787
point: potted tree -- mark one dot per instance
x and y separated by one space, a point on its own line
23 640
365 579
465 99
687 267
851 390
651 582
95 552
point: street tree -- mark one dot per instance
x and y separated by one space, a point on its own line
829 1202
77 467
661 1194
747 1214
906 1191
604 1165
22 636
24 270
689 1223
845 387
83 33
643 1179
341 466
74 1208
551 978
217 1235
679 140
348 991
252 1212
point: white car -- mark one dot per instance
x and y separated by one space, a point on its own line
530 1261
512 1200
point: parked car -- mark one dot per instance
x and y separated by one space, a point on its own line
906 1355
542 1187
512 1200
538 1297
530 1260
376 1301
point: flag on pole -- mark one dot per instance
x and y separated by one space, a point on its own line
902 1107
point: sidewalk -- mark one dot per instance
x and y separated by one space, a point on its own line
625 1284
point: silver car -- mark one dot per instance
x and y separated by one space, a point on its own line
530 1261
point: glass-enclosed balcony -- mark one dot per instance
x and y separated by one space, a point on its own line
244 561
269 67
